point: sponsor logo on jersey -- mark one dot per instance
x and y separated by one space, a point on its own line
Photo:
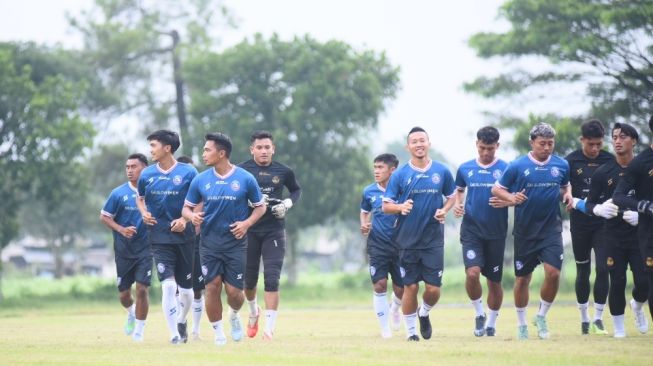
470 173
555 172
373 199
527 172
579 171
435 178
207 186
161 267
176 180
125 197
235 186
610 182
519 265
372 270
150 180
471 254
496 174
276 180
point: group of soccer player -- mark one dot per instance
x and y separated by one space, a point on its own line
204 231
610 199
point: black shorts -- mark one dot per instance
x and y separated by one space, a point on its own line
271 247
484 253
384 262
132 270
530 253
230 265
198 278
584 240
174 260
422 265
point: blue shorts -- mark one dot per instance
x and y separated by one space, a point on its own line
384 263
230 265
422 265
130 270
530 253
484 253
174 260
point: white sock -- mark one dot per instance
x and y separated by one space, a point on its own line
584 312
424 309
253 307
478 306
544 308
138 329
598 311
381 309
217 329
521 315
233 313
270 321
637 305
132 310
395 304
492 318
411 324
185 302
169 305
198 307
618 321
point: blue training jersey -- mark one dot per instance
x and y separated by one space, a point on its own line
482 220
121 207
382 224
426 187
164 193
539 215
225 202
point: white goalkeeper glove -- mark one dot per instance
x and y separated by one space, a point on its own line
279 210
631 217
607 209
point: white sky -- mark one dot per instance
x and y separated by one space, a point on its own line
427 39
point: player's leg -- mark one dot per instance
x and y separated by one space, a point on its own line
198 290
524 262
273 251
213 270
143 276
165 260
254 252
640 287
184 276
125 270
581 243
234 284
616 262
551 256
474 260
379 268
432 267
493 271
410 277
397 293
645 236
601 282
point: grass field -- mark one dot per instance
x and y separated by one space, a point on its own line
91 334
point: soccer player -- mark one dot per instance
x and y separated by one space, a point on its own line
587 231
224 191
620 231
267 238
639 176
383 253
132 251
161 190
534 184
416 191
198 279
483 230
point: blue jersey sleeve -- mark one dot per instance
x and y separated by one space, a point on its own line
565 176
509 176
448 187
460 179
193 197
254 192
392 190
141 186
111 206
365 203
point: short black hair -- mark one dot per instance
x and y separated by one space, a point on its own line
388 159
626 129
416 129
185 159
488 135
166 137
543 130
222 141
138 156
592 129
259 135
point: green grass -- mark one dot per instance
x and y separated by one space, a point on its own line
91 334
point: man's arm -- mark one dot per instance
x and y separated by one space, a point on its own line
502 193
566 197
109 222
459 207
293 186
366 225
148 219
392 208
441 213
239 228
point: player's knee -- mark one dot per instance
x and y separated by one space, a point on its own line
272 284
125 296
141 291
197 294
233 292
522 282
473 273
381 286
583 269
271 275
215 285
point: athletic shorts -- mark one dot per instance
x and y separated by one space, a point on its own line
484 253
530 253
422 265
384 262
271 247
132 270
229 265
174 260
584 240
198 278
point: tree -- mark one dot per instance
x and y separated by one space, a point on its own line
318 99
134 44
607 46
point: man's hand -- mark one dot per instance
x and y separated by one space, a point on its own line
239 229
198 218
148 219
519 197
440 215
365 228
406 207
279 210
128 232
631 217
497 202
607 209
178 225
459 210
568 200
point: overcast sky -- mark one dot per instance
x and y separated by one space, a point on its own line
426 39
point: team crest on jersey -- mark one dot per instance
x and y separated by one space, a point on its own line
519 265
372 270
471 254
649 262
235 186
610 262
555 171
402 271
176 180
275 180
650 173
496 174
161 267
435 178
205 270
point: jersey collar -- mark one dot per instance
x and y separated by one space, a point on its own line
229 173
537 162
478 162
158 167
426 168
131 186
380 188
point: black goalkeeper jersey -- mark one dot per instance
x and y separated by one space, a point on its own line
639 176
